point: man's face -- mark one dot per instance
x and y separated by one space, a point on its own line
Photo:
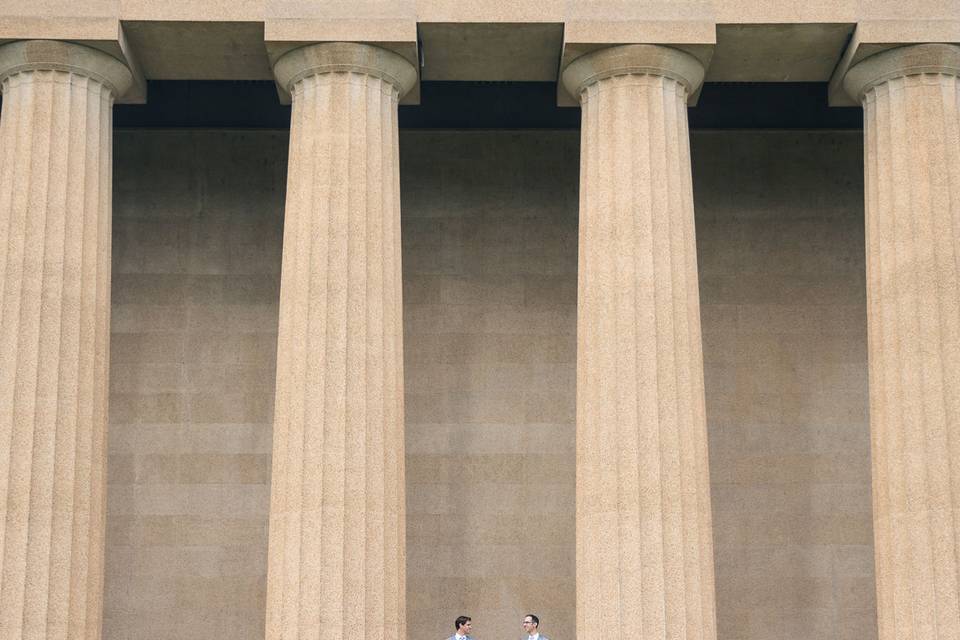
529 626
466 627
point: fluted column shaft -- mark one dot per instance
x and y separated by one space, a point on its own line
337 515
644 545
55 220
911 101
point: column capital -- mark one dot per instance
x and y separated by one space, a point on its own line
58 55
900 62
637 59
333 57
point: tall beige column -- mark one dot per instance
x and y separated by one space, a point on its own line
911 102
337 515
55 220
644 545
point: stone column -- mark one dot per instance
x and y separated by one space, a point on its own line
55 221
644 545
911 102
337 515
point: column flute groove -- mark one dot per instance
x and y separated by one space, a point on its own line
911 102
644 539
55 221
336 559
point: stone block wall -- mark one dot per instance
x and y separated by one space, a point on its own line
196 273
490 253
783 306
490 295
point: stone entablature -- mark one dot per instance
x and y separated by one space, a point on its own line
741 41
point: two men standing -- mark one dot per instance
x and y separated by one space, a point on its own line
464 625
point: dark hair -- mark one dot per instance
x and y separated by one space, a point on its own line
459 622
536 620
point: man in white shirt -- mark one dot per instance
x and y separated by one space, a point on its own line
531 624
463 625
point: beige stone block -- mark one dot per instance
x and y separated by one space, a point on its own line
139 595
120 501
172 499
541 320
202 290
206 317
477 291
773 622
204 529
167 290
465 469
230 407
168 408
250 288
422 289
226 438
458 594
247 591
855 562
144 318
252 318
122 531
244 501
121 469
857 594
423 320
450 439
146 347
857 624
158 469
133 377
822 408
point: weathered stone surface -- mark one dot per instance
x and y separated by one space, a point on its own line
337 559
489 262
55 216
644 537
911 102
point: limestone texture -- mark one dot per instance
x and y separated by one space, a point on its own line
644 542
336 557
490 292
911 102
55 221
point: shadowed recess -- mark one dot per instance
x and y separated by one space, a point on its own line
485 105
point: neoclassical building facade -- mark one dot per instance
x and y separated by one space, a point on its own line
359 375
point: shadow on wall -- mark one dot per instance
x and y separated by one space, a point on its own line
486 105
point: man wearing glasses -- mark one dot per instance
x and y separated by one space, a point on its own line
531 624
